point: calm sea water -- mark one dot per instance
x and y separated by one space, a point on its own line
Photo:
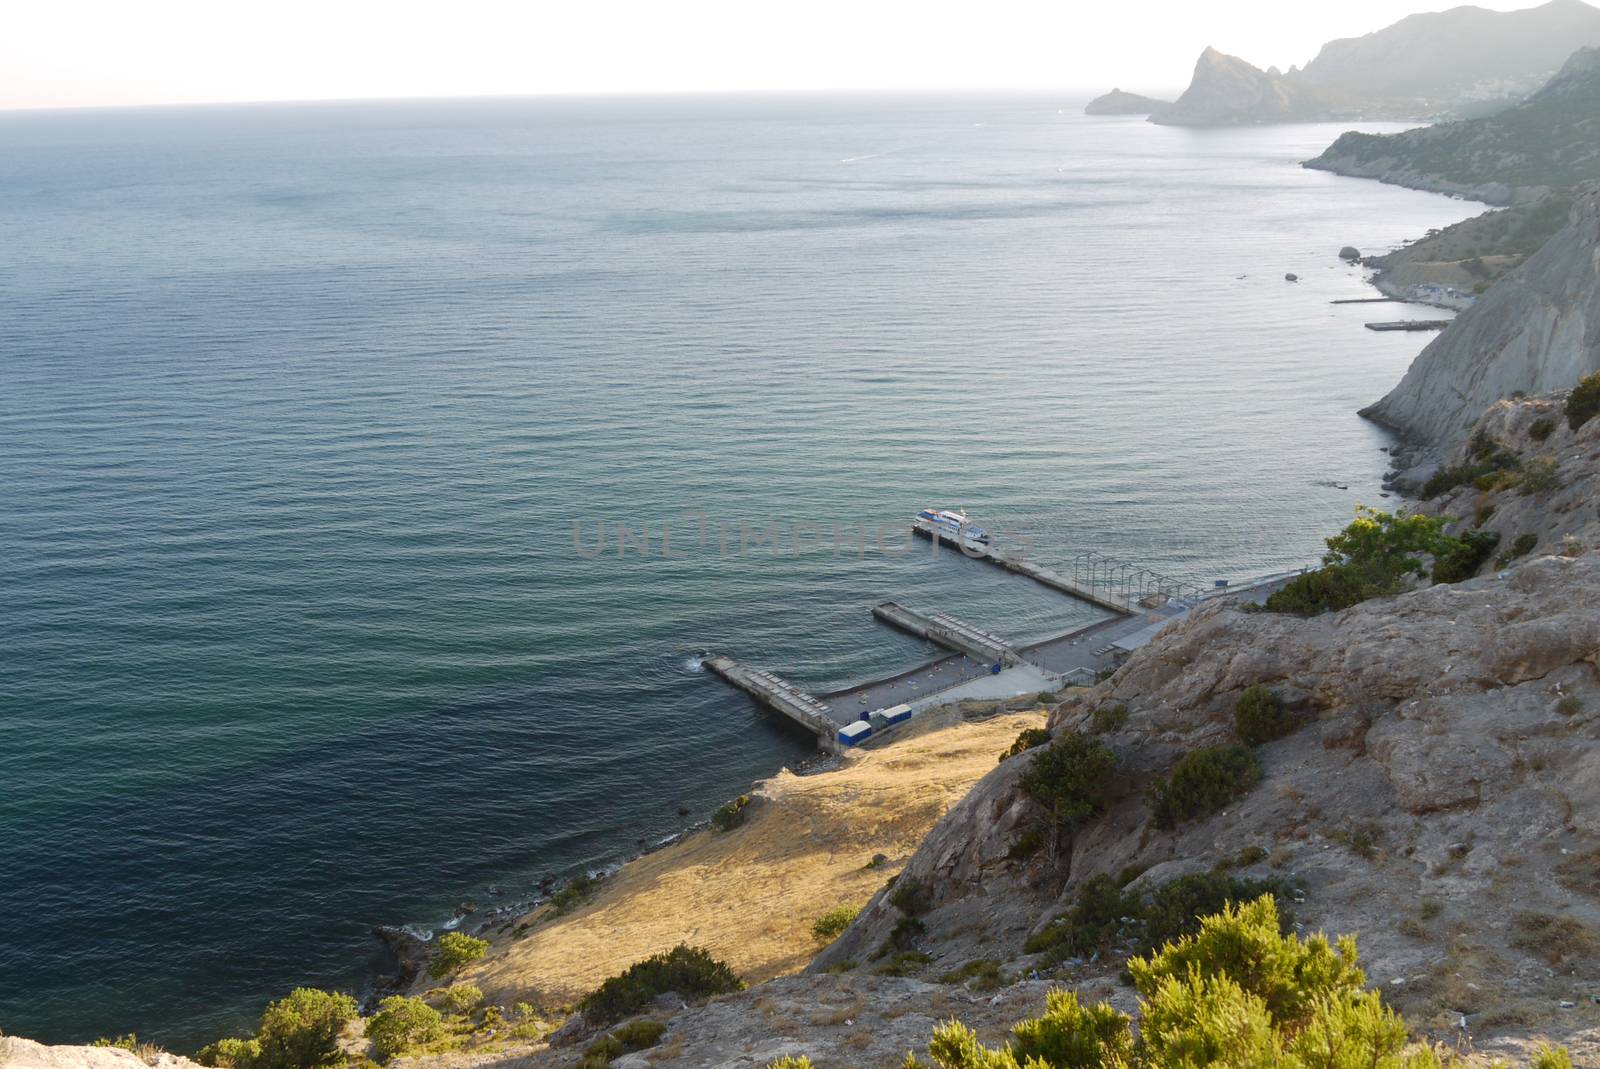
299 407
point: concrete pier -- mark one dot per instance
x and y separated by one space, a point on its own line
782 696
949 632
1411 324
1103 598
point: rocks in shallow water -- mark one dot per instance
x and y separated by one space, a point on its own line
1291 277
1350 254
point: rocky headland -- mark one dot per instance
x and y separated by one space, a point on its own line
1118 102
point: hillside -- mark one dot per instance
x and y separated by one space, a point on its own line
1550 140
1535 330
1442 61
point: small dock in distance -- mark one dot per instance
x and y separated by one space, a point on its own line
1411 324
1369 300
782 696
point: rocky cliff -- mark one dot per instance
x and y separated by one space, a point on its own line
1118 102
1441 61
1536 330
1550 140
1227 91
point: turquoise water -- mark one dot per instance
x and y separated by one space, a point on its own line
300 406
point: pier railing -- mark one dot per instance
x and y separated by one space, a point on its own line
1113 578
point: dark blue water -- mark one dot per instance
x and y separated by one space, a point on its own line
299 407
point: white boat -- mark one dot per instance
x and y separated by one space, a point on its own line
952 524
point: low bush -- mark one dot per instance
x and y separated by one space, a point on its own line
1539 477
1177 907
903 964
828 927
689 971
911 897
1239 992
1102 915
230 1053
1107 719
457 998
456 949
1027 740
903 936
1027 843
1583 403
1521 547
574 893
1541 428
1259 716
1372 557
1462 560
1071 777
981 976
730 815
624 1039
1204 782
1489 459
400 1024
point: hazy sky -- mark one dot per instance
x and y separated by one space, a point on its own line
56 53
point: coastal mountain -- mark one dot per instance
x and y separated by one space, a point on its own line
1227 91
1536 329
1118 102
1442 65
1552 139
1447 60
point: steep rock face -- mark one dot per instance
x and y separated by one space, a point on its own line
1118 102
1536 330
1227 91
1444 60
1551 139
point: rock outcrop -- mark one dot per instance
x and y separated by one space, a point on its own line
1552 139
1118 102
18 1053
1227 91
1534 331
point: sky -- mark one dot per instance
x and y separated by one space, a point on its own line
78 53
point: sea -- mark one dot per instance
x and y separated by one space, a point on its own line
374 477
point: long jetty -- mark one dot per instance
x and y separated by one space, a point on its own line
782 696
1411 324
947 631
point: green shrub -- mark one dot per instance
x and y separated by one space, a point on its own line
1370 558
1570 705
402 1023
979 976
230 1053
1047 697
1463 559
1583 403
1176 908
1027 740
1240 994
1026 844
455 950
1520 548
1541 428
911 897
902 964
1203 782
458 998
789 1061
1101 916
1259 716
730 815
1070 777
624 1039
1109 718
689 971
301 1030
1539 477
574 893
1488 460
903 936
828 927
